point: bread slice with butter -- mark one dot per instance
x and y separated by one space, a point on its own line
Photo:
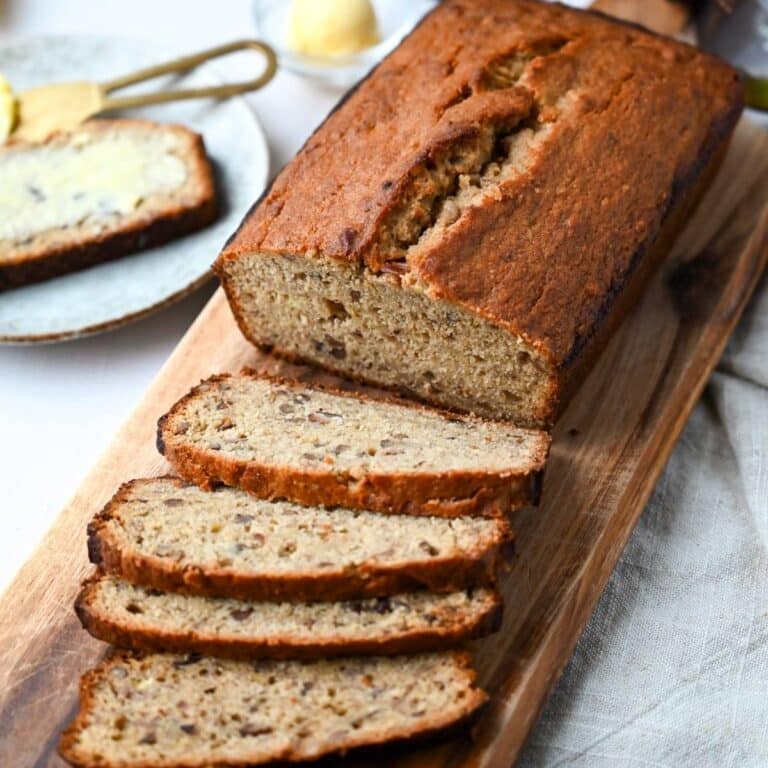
109 188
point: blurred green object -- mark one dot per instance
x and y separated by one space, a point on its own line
735 20
732 29
756 92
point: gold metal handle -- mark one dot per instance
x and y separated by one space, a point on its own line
184 64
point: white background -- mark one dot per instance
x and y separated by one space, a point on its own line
61 404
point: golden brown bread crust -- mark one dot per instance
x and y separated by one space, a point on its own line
367 579
237 647
447 494
633 120
130 235
635 284
67 749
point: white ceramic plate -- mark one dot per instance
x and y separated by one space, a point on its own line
112 294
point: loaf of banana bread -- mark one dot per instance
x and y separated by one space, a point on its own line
472 222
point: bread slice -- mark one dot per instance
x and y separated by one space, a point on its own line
164 533
171 711
108 188
147 619
282 439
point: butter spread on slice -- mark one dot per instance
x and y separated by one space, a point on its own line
91 178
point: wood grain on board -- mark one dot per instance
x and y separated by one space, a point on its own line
609 450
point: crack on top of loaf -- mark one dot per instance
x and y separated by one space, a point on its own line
485 136
507 70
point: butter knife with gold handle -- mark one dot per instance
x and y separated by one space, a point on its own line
63 106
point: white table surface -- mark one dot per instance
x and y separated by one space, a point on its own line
61 404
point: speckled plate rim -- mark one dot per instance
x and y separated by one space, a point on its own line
261 147
109 325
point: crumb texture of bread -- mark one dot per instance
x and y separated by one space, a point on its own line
147 619
168 534
281 439
188 711
97 192
467 222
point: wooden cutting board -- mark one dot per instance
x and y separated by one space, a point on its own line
609 450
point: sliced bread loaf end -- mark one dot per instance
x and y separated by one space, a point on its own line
188 711
282 439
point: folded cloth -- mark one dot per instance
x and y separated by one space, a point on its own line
672 669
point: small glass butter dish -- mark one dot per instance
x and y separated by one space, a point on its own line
394 19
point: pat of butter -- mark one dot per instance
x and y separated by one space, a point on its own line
91 179
331 27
